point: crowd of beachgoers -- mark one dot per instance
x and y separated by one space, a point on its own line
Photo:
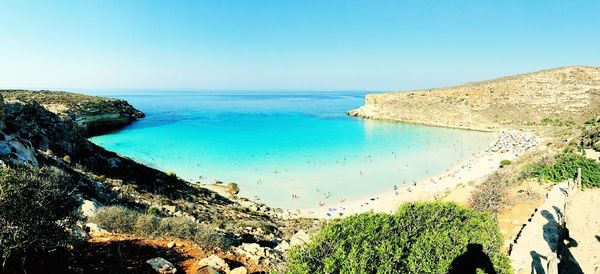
507 145
513 141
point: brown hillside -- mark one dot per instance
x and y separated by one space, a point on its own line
567 94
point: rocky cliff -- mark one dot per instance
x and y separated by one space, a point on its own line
565 94
93 115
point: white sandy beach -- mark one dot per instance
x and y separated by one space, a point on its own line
507 145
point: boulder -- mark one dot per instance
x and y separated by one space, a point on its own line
89 208
299 238
283 246
4 148
79 232
161 265
114 162
215 262
239 270
169 208
255 253
22 152
95 230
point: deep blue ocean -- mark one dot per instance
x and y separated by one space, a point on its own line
278 144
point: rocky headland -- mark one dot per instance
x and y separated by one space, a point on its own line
92 115
566 94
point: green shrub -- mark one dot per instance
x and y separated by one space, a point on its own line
145 225
419 238
123 220
590 122
565 167
116 218
152 210
504 163
37 211
555 122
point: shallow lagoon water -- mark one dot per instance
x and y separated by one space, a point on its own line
278 144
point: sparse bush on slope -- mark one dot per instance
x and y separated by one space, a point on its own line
122 220
492 195
37 210
419 238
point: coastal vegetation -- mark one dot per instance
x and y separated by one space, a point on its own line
37 214
123 220
419 238
564 167
504 163
556 122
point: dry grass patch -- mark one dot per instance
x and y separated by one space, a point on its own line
122 220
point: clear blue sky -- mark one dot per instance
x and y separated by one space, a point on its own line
303 44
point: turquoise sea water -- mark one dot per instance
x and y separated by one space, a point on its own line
278 144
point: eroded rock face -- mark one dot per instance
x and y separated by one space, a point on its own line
97 120
568 94
12 147
92 115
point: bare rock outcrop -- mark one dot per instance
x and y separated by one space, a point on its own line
566 94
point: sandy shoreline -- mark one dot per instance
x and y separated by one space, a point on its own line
507 145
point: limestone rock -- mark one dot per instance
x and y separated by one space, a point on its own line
239 270
299 238
89 208
161 265
259 255
215 262
283 246
169 208
254 252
